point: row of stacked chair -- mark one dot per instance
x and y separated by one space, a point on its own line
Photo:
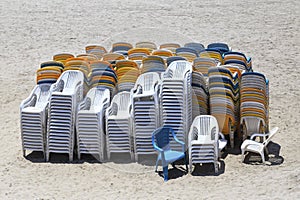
158 87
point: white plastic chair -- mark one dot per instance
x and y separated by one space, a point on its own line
33 119
119 125
257 147
90 122
204 141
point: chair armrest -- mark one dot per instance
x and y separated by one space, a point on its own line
221 135
178 141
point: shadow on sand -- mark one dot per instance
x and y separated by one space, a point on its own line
273 158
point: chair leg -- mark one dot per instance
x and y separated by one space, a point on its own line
263 157
191 166
266 150
44 154
173 165
186 165
165 171
243 155
216 167
156 165
70 157
108 155
24 153
231 135
47 156
132 157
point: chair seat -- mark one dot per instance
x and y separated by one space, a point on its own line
172 156
253 146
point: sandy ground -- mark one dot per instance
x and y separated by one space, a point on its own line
32 31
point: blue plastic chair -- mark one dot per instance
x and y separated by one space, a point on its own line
161 142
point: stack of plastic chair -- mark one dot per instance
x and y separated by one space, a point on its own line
173 58
62 57
203 64
189 53
163 53
49 72
90 122
97 50
153 64
102 74
34 119
222 47
170 46
127 72
146 116
200 104
238 59
119 125
148 45
138 54
195 45
88 57
224 88
112 57
203 141
254 103
176 99
81 64
66 94
212 53
121 47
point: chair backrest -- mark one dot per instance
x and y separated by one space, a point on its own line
146 44
69 80
204 128
147 82
121 103
272 133
121 46
195 45
112 57
187 49
39 97
174 58
96 98
220 46
178 69
161 137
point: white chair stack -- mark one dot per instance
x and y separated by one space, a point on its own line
119 125
203 141
90 122
176 99
33 119
146 117
67 93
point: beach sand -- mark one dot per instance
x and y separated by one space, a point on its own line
33 31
